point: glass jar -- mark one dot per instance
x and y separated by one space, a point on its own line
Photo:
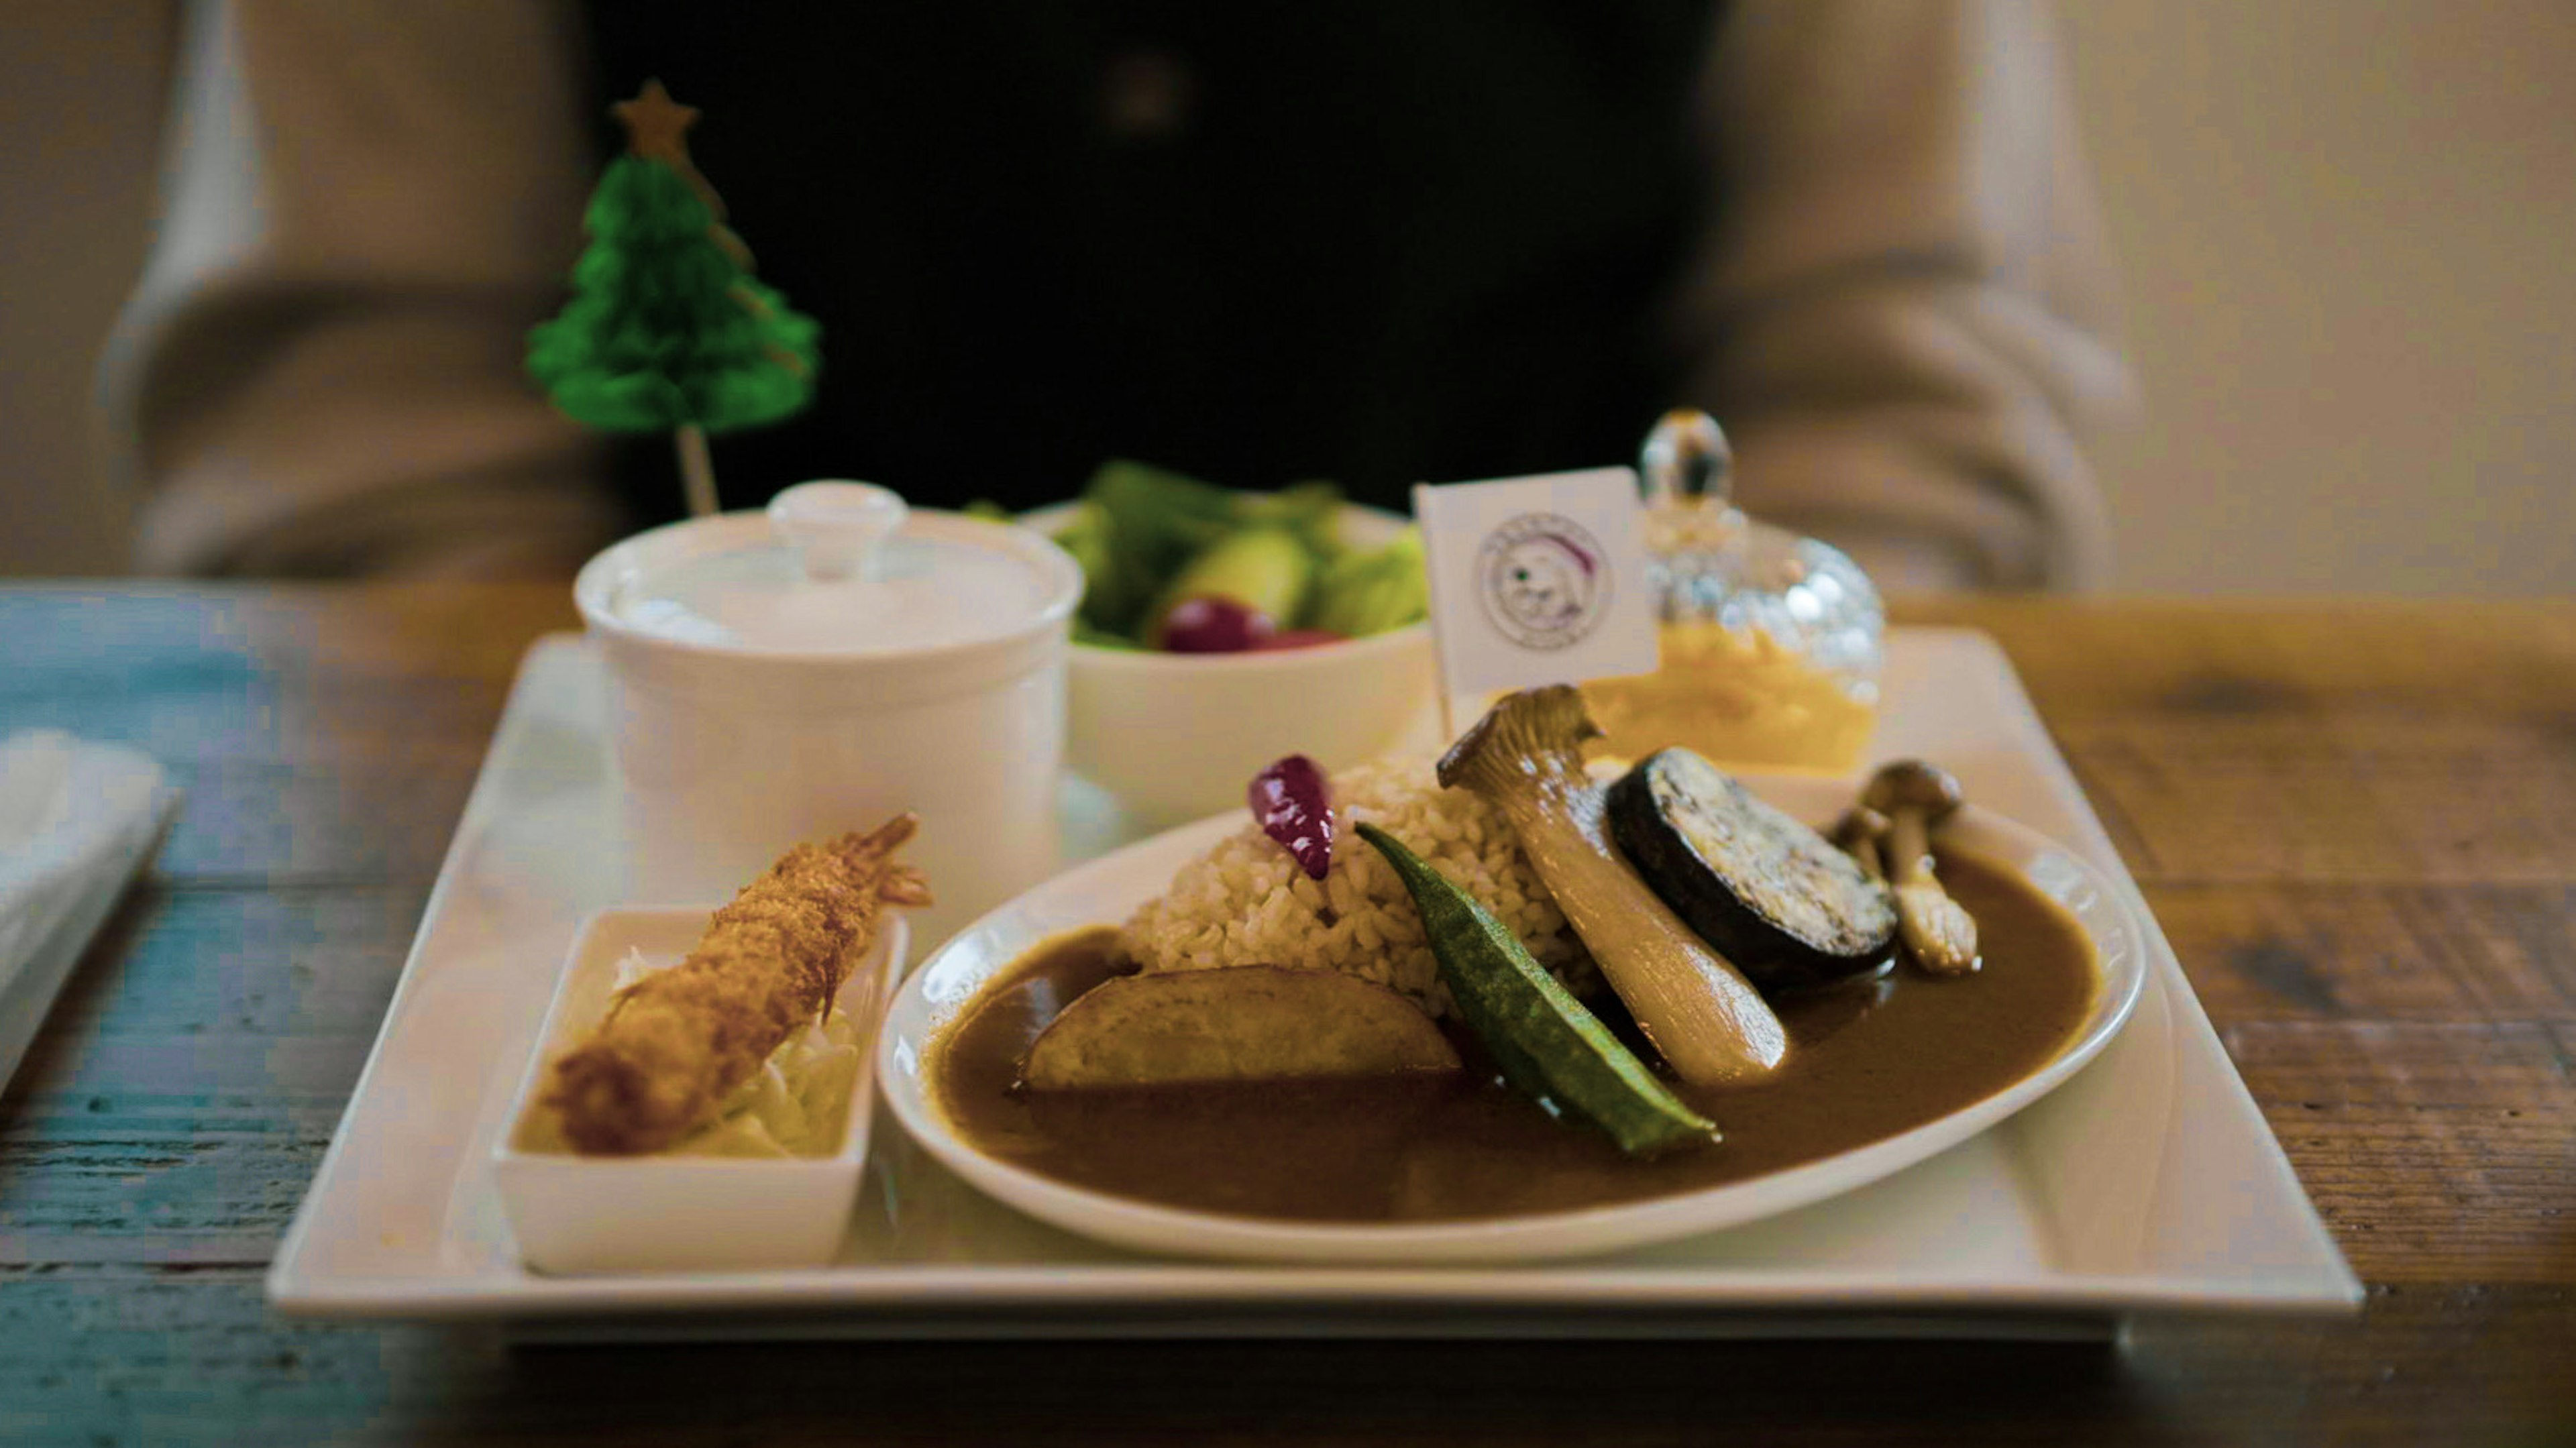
1771 642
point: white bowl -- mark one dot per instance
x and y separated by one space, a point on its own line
578 1214
1108 889
1177 736
727 754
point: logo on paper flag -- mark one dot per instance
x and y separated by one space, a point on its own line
1538 580
1542 581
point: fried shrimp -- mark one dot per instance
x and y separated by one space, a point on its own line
674 1043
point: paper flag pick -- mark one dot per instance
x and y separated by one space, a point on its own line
1537 580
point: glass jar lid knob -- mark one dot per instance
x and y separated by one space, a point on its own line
837 530
1686 462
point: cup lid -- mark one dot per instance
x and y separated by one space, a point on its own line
838 568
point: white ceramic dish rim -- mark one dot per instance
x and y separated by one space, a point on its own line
1123 879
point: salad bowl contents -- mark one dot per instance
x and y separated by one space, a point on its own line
1174 565
1220 630
1568 1114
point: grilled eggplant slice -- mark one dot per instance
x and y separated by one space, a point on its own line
1773 896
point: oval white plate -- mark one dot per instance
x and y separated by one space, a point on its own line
1106 890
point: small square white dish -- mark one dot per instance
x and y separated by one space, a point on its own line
665 1212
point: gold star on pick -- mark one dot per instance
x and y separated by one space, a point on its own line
657 126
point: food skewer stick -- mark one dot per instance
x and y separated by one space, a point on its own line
1915 796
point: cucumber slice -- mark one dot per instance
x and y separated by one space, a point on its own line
1773 896
1264 569
1548 1045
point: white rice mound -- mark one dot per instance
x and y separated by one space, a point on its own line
1245 902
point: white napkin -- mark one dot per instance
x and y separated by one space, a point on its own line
76 818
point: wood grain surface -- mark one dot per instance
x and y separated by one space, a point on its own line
2357 823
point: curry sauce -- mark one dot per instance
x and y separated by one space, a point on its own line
1867 1061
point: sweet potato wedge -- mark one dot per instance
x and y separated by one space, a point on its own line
1235 1023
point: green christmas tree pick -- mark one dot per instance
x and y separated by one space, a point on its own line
667 327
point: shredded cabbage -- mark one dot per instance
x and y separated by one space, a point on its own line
796 1104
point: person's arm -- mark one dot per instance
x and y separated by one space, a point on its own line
320 374
1904 318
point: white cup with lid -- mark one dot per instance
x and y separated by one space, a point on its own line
792 675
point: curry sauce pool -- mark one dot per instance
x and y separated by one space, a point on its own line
1867 1061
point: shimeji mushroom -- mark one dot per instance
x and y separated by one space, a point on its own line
1915 796
1858 834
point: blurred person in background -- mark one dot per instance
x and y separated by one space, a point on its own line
1375 243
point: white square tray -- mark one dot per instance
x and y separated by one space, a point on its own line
2149 1182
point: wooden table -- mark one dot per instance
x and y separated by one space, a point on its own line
2357 823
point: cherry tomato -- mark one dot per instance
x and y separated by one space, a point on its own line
1209 624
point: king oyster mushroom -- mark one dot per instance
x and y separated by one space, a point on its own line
1915 796
1526 758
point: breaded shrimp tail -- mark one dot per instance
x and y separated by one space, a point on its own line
676 1042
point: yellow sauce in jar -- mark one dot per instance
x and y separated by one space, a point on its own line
1738 698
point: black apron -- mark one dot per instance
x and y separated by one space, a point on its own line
1375 241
